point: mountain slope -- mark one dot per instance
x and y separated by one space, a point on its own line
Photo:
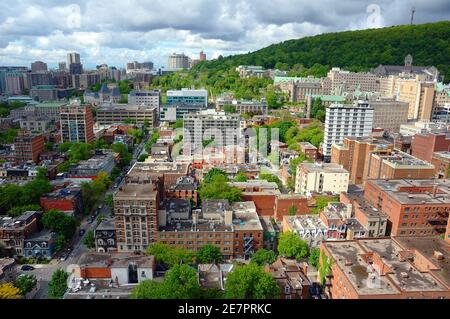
429 44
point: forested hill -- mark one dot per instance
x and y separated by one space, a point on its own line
429 44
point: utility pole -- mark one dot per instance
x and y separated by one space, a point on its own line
413 10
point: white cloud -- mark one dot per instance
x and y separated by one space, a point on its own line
117 31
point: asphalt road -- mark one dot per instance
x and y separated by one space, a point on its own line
43 272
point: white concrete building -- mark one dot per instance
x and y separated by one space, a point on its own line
346 120
319 178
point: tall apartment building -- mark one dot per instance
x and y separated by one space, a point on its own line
77 123
120 113
89 79
298 88
441 104
423 145
208 124
345 120
74 63
136 216
202 56
319 178
354 155
44 93
386 268
28 147
389 114
14 83
151 99
187 96
38 66
178 61
137 65
419 95
397 165
37 78
413 207
346 81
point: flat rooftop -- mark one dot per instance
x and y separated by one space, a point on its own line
443 155
142 191
323 167
245 216
402 190
427 246
304 222
355 259
115 260
399 159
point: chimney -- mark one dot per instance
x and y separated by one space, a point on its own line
434 190
305 268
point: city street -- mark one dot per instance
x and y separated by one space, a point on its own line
43 272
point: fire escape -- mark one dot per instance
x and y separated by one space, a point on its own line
248 246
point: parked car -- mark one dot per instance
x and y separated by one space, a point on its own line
91 219
81 232
64 257
27 268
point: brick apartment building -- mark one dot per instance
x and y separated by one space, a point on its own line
67 200
28 147
309 150
441 162
354 155
77 124
136 216
413 207
386 268
14 231
168 172
424 145
235 229
398 165
185 188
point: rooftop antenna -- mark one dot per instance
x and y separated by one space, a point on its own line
413 10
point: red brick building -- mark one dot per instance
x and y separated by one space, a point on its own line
28 147
413 207
309 150
67 200
386 268
424 145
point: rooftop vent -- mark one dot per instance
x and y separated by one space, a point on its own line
438 255
404 274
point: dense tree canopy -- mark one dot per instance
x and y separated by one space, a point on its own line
291 246
180 282
169 255
263 256
251 282
217 188
58 284
209 254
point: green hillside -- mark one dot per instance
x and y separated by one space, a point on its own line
429 44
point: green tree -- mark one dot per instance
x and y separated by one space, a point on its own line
209 254
322 202
180 282
19 210
291 246
292 211
63 225
218 188
240 177
251 282
213 172
25 283
272 178
109 200
142 157
169 255
89 240
57 286
263 256
314 257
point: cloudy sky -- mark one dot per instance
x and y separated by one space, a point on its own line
117 31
